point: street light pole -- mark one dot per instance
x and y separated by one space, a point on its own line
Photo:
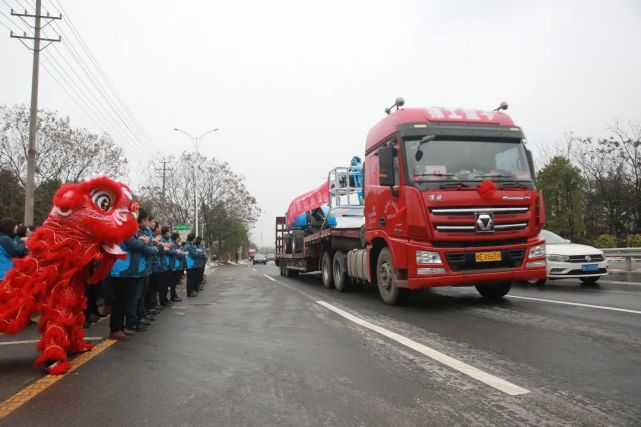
195 140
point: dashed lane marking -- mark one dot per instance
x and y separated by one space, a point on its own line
270 277
254 269
577 304
469 370
22 397
36 341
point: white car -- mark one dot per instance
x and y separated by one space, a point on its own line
567 260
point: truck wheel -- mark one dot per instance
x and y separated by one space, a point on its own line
281 267
494 291
342 281
326 270
390 293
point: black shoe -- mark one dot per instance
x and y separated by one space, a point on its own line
176 299
144 322
86 325
153 312
192 294
138 328
92 318
167 304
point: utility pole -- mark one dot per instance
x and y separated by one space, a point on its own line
164 170
33 117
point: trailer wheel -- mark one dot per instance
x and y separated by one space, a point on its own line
494 291
390 293
342 281
326 270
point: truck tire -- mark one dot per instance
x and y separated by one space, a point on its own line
494 291
281 267
342 281
326 270
390 293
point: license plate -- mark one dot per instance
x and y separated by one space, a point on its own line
487 256
589 267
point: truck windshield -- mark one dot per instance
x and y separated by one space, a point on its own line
443 163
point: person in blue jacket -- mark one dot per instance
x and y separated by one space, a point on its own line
151 301
145 317
194 255
9 246
167 262
177 268
126 278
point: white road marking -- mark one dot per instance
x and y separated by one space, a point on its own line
36 341
616 282
270 277
482 376
254 269
577 304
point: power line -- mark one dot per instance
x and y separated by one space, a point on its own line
107 83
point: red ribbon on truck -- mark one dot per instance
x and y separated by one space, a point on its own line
308 202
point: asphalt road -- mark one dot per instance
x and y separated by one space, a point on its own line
258 349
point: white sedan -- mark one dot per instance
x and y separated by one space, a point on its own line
567 260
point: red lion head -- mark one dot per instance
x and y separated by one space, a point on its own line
100 209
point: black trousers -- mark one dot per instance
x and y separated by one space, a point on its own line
155 288
142 308
92 292
192 280
120 287
174 280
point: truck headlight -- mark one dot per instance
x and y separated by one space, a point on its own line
537 251
558 258
428 257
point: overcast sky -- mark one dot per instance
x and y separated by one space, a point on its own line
294 86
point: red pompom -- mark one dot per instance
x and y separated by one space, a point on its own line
487 189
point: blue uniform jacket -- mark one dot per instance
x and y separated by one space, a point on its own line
135 264
9 249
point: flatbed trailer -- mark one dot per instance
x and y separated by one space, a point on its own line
330 245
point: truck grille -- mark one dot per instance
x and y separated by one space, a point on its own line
465 261
461 219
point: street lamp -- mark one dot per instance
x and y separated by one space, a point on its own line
196 140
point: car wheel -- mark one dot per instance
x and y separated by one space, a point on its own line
539 283
589 280
494 291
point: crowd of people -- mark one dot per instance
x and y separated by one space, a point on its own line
139 286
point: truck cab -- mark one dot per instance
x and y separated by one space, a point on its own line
450 200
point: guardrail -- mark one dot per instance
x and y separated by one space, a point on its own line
627 253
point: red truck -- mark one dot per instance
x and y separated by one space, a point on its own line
449 200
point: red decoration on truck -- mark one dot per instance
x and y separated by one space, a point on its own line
487 189
308 201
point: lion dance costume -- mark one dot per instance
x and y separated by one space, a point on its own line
83 230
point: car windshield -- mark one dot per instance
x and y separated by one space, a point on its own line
442 163
551 238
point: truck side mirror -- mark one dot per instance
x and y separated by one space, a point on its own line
386 167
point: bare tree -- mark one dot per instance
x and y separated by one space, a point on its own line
64 153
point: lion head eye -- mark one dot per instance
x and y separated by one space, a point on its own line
102 199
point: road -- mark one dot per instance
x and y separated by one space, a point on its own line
259 349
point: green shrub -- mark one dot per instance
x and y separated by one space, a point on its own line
605 241
633 241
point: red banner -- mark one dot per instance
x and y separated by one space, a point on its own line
308 201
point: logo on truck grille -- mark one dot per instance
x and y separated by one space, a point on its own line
484 222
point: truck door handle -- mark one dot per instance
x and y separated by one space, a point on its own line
382 222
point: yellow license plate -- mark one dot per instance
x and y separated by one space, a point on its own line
488 256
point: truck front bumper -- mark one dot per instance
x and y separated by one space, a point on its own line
458 267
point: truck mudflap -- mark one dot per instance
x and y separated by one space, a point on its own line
476 278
